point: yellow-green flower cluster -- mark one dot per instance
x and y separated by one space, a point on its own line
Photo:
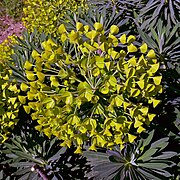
44 15
98 93
5 50
9 104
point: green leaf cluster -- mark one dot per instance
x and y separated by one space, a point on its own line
97 92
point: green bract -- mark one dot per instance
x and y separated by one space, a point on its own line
9 105
98 92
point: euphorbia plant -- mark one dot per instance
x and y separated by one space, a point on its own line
98 92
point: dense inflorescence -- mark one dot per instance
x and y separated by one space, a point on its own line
98 94
45 15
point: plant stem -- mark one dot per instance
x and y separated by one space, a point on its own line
41 173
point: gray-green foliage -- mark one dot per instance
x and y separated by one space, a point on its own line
22 52
106 18
144 160
30 155
165 40
167 10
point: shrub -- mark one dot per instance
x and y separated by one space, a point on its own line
95 92
5 50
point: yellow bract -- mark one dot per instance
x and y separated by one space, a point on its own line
123 39
24 87
132 48
114 29
28 65
22 99
73 36
154 68
151 54
35 54
30 75
131 138
157 80
92 34
141 84
131 39
140 129
79 27
143 48
98 26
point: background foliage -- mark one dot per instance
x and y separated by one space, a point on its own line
45 15
13 8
